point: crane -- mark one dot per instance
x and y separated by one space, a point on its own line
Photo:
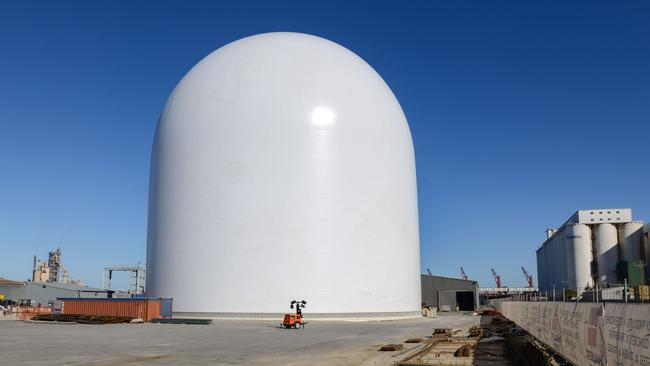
529 278
497 278
462 274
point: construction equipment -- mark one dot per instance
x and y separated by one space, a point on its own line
429 272
529 278
462 274
137 277
295 320
497 278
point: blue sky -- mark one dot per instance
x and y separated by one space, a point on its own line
520 114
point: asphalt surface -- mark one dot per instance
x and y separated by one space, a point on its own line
227 342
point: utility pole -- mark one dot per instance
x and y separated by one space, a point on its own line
625 289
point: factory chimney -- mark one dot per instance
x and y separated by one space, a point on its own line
34 270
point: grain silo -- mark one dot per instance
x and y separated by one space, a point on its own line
283 168
632 241
607 251
599 244
579 253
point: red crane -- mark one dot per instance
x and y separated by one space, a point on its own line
462 274
528 277
497 278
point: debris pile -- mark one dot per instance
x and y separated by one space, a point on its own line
413 340
392 347
495 341
83 319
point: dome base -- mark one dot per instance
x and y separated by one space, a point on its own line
357 317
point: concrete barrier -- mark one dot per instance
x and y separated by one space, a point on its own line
589 334
627 334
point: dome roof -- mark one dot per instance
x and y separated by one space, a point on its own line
283 168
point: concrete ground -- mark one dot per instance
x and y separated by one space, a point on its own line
227 342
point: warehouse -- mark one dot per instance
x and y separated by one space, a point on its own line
448 294
47 292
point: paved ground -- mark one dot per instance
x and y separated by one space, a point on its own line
223 343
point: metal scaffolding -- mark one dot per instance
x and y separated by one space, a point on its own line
137 277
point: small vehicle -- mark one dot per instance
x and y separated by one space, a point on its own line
295 320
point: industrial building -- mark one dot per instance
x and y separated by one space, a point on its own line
601 247
52 270
283 168
49 280
46 292
449 294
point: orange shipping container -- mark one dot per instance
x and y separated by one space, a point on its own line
145 309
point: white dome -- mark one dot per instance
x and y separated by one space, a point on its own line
283 169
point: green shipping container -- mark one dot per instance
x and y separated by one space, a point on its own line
634 271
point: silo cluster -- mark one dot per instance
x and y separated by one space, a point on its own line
601 246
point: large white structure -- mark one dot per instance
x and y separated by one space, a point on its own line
600 237
282 169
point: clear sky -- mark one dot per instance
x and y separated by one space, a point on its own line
520 114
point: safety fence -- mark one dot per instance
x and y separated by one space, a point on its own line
586 333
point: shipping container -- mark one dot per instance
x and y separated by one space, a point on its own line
633 272
143 308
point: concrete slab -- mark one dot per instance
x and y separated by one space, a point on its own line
225 342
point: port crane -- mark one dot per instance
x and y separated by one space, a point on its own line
497 278
463 275
529 278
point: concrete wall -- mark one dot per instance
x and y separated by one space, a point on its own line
438 291
587 334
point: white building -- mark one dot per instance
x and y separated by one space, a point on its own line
283 168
